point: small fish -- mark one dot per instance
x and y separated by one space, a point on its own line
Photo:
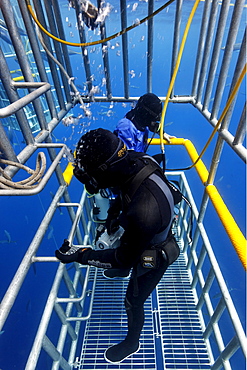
28 306
220 179
132 73
109 113
135 5
60 208
168 124
50 234
235 47
10 133
8 236
71 120
80 87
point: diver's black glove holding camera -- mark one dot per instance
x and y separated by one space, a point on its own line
112 224
68 254
99 231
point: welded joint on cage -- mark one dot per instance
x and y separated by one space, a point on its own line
92 291
156 319
84 293
44 259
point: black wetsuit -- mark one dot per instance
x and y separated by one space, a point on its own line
146 220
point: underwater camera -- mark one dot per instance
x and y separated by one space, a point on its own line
107 241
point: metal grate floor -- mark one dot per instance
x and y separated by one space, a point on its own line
183 346
171 337
108 325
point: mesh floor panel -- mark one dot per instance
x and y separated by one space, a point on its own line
182 343
108 325
171 337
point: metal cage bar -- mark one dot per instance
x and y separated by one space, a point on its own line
54 25
53 68
234 26
37 55
105 56
207 49
150 47
125 49
199 263
176 37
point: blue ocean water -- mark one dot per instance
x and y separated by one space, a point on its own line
20 216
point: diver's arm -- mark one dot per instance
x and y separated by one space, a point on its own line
142 223
87 256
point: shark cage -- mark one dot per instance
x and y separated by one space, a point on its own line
67 67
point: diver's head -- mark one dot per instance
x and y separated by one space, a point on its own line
97 152
148 111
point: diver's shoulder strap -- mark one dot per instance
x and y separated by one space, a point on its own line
149 168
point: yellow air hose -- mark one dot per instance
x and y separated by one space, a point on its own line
234 233
186 31
236 236
227 106
99 41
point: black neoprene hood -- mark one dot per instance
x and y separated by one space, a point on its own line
149 107
96 147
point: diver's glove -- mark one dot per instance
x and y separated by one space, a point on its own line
68 254
112 221
99 231
111 224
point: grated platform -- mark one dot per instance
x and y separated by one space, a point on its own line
171 337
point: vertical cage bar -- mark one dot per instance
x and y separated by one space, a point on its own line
175 47
13 96
54 354
150 47
105 56
61 33
8 15
37 55
52 65
216 52
239 67
236 17
84 50
207 49
201 46
6 146
57 46
125 48
241 130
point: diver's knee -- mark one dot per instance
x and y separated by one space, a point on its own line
127 304
132 304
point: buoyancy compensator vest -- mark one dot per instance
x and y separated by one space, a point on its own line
149 167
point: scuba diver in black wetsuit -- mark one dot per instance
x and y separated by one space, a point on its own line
133 130
144 208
